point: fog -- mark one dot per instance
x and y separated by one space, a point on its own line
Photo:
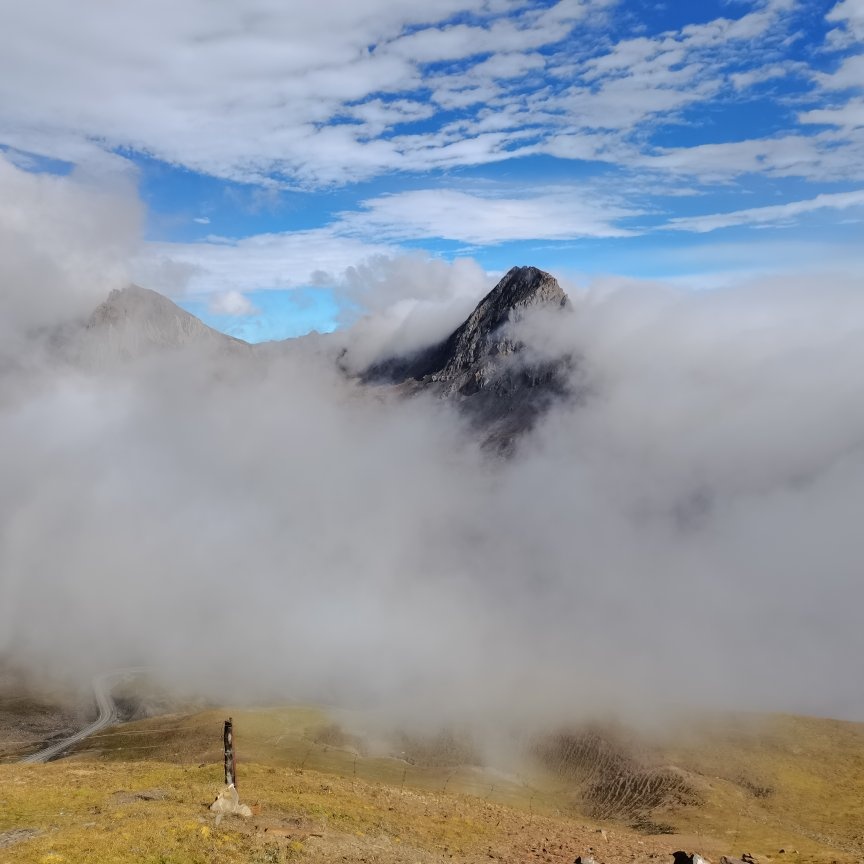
266 528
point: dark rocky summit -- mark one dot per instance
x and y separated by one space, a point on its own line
498 382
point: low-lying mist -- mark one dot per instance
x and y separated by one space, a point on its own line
266 528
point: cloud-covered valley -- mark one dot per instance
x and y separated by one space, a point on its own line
686 534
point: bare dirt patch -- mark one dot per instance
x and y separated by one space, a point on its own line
17 835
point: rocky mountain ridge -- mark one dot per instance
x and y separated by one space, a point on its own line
497 381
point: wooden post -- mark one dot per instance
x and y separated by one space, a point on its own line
230 765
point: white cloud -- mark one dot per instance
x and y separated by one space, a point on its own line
560 214
849 75
232 303
765 215
849 14
247 89
409 301
64 244
759 75
127 73
683 486
643 77
228 268
826 156
533 29
321 93
850 115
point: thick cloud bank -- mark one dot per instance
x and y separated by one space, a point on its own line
689 534
64 243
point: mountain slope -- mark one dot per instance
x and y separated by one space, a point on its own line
761 784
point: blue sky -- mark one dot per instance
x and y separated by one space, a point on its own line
276 145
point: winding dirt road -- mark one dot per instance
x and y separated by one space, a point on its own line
102 687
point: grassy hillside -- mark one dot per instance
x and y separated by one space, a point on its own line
780 777
139 793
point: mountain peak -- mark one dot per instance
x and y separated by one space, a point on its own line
480 335
521 288
483 365
135 321
134 303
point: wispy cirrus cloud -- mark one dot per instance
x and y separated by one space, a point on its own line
334 92
827 156
768 215
469 217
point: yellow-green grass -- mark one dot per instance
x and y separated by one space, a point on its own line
112 811
295 738
778 781
90 811
763 784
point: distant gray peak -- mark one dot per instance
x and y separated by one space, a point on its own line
134 302
136 294
134 321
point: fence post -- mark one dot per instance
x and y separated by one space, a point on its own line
230 766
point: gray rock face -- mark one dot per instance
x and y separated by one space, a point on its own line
480 365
